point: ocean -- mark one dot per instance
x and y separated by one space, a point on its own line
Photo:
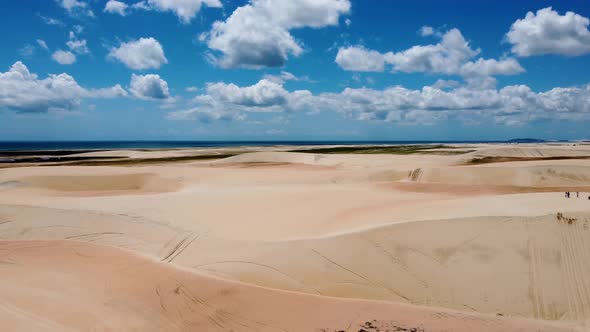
114 145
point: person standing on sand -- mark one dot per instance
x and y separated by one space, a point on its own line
577 194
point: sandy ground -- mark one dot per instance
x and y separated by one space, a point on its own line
495 240
69 286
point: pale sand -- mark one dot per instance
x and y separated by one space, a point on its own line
418 229
76 286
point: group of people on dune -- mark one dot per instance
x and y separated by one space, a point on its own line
568 194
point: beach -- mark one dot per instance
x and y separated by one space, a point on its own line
421 237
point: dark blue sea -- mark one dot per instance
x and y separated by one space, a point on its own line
110 145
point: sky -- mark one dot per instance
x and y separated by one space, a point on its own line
294 70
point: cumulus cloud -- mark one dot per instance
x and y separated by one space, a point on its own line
64 57
547 32
451 56
23 91
257 34
509 105
230 101
358 58
446 100
149 87
144 53
491 67
186 10
445 57
116 7
75 7
262 95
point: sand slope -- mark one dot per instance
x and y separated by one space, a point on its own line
534 267
68 286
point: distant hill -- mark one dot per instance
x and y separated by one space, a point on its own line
526 140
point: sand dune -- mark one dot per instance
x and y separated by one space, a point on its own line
532 150
417 229
531 176
128 183
530 267
71 286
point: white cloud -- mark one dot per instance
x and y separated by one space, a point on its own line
491 67
285 76
70 5
358 58
149 87
144 53
191 89
509 105
186 10
23 91
348 22
116 7
206 115
76 7
257 34
27 50
263 94
547 32
64 57
51 21
446 84
230 102
451 56
426 31
78 46
78 28
445 57
42 44
444 101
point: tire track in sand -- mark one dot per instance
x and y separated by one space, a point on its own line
575 269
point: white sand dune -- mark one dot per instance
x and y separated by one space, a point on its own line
417 229
74 286
129 183
506 175
533 151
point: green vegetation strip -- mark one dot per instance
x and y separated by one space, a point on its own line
490 160
143 161
395 149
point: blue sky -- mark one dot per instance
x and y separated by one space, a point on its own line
294 70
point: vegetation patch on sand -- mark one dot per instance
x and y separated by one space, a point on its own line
439 149
146 161
106 161
491 160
